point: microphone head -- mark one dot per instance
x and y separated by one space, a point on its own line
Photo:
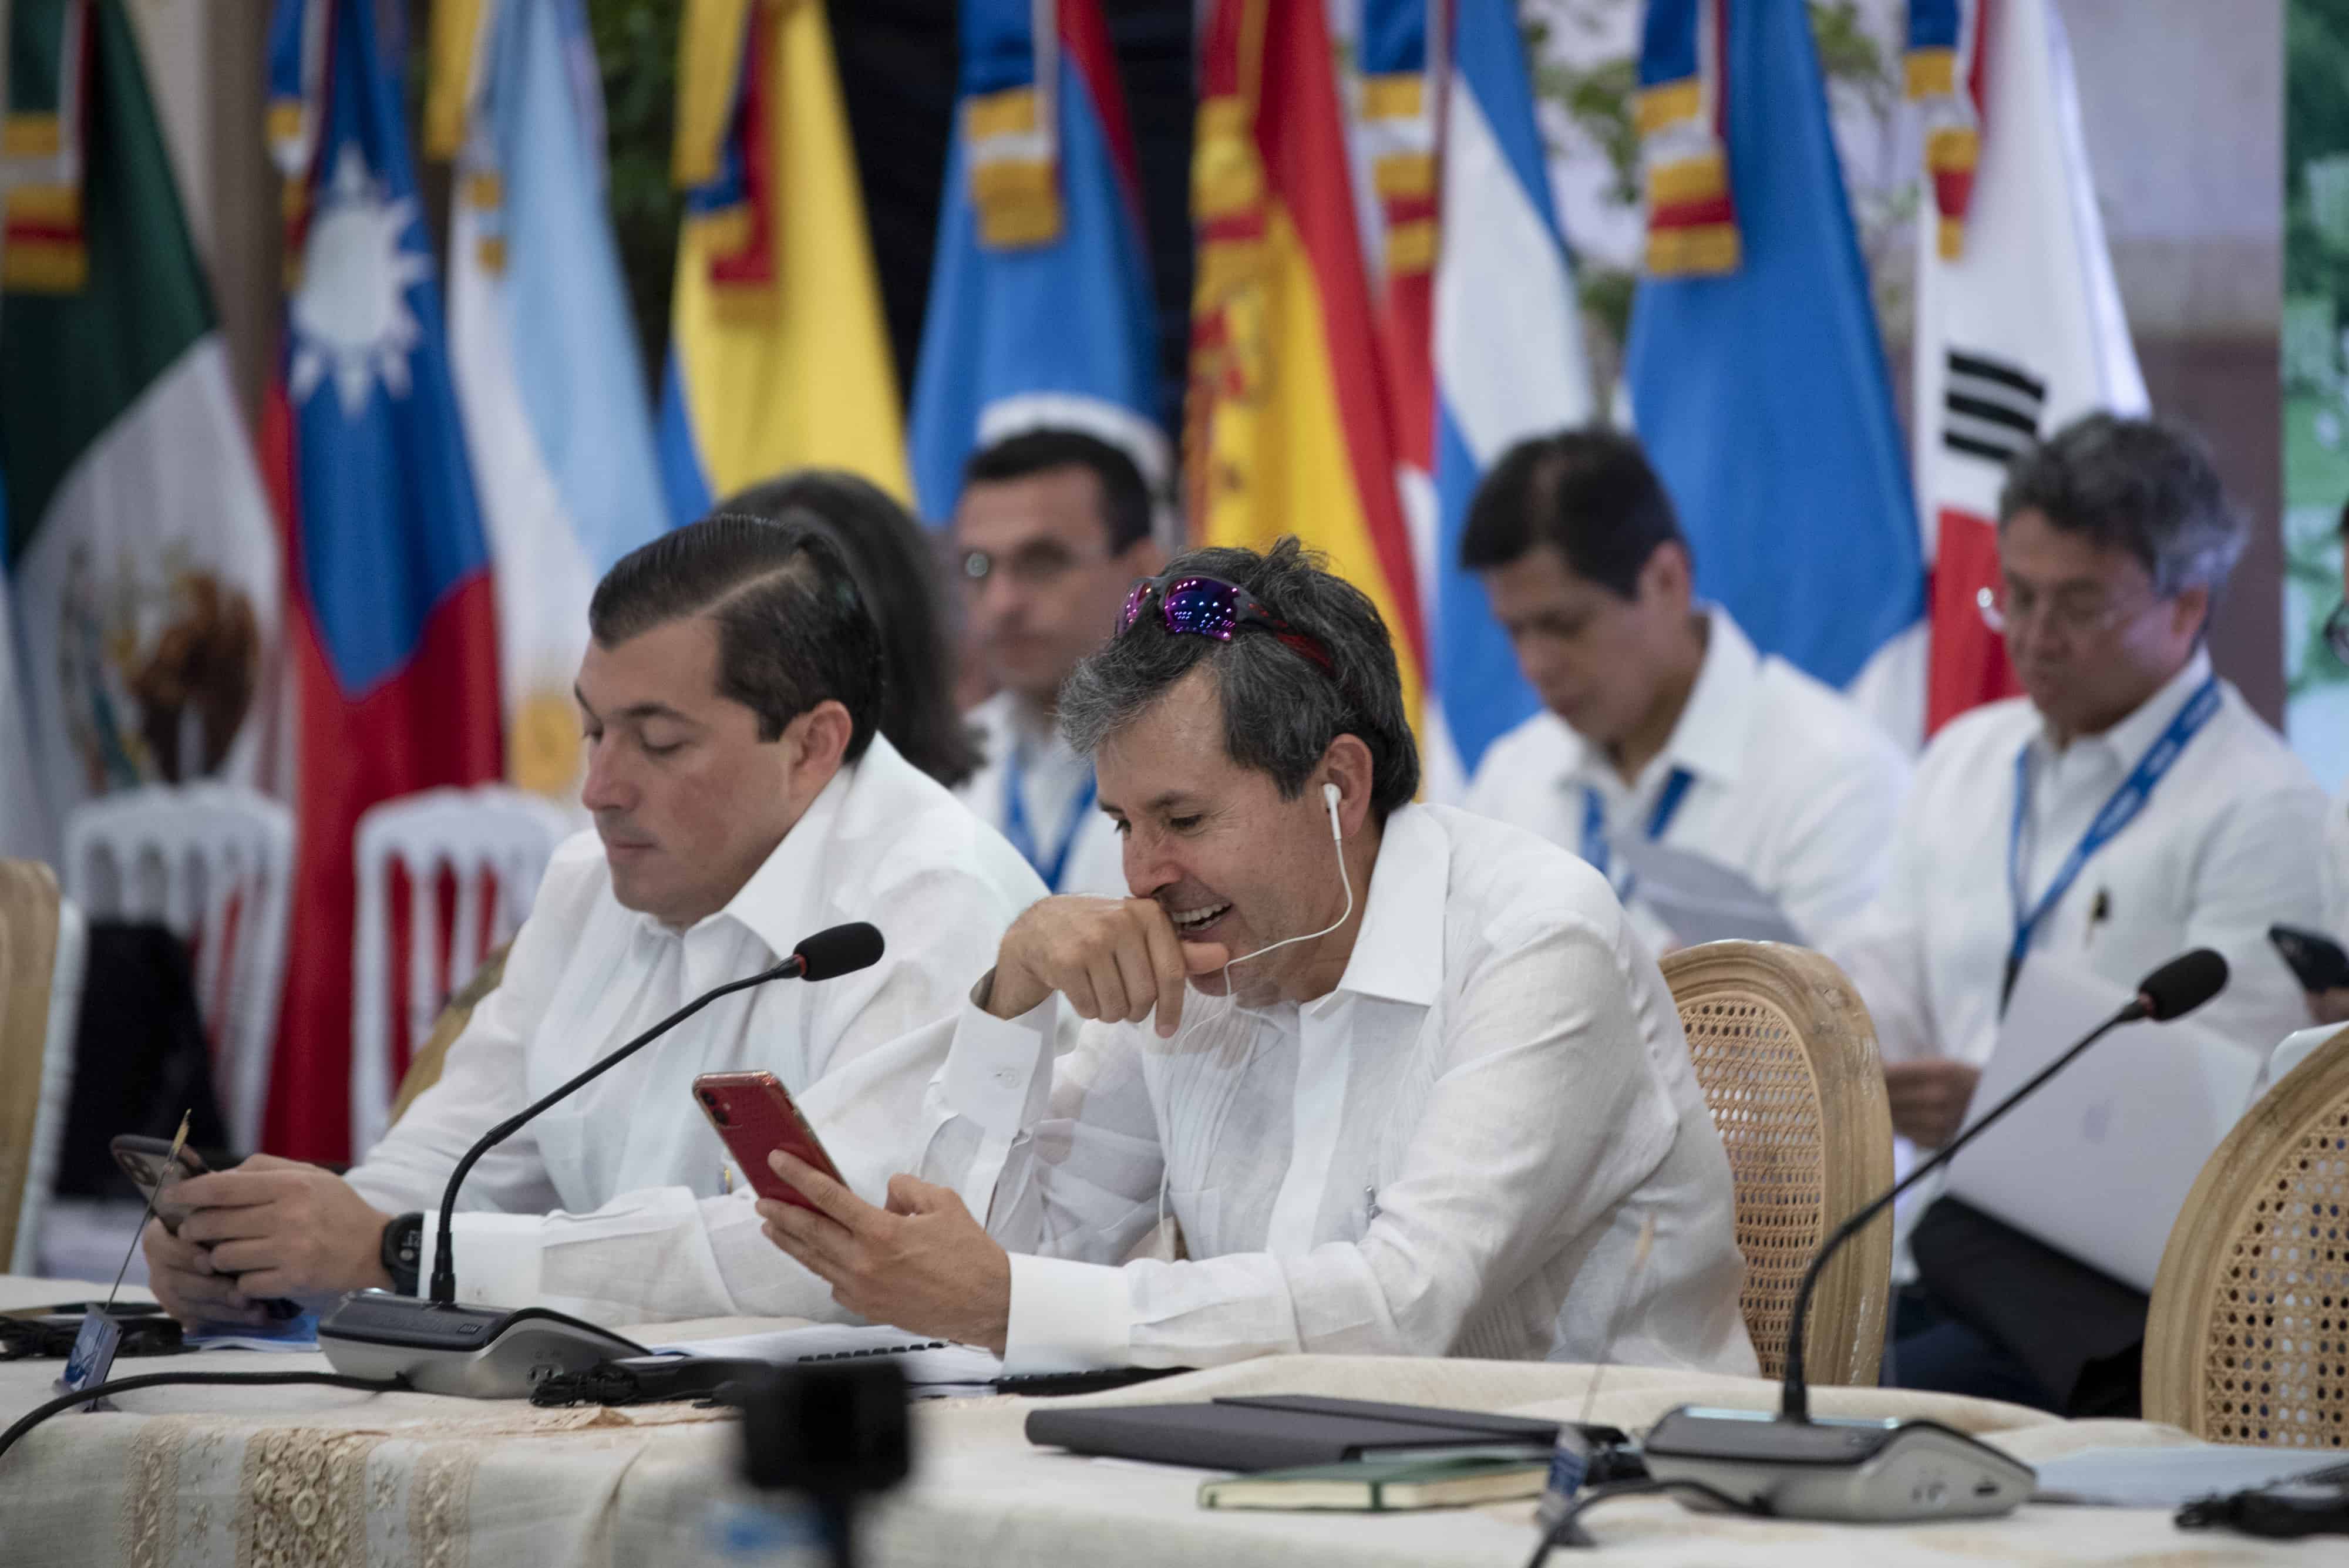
839 950
2182 984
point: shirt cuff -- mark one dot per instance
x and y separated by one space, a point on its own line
993 1061
1067 1317
497 1258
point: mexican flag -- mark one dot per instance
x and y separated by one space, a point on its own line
140 547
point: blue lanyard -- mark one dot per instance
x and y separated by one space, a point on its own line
2117 814
1594 825
1023 838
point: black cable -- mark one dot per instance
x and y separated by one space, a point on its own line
40 1413
1567 1532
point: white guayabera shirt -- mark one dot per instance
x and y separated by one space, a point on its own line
1789 785
611 1205
1051 777
1451 1154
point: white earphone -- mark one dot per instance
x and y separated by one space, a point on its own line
1329 797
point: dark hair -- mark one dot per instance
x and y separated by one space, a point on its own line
895 561
793 630
1126 499
1281 710
1588 492
2136 485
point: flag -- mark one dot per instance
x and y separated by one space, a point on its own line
1508 352
24 817
543 348
140 546
1290 427
1760 390
2019 323
778 354
393 630
1040 311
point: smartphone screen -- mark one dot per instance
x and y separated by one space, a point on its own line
753 1113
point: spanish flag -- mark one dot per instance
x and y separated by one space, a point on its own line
1290 427
778 354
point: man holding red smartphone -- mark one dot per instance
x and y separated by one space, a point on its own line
1405 1079
743 800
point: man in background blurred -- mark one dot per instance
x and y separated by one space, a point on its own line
1662 723
2131 806
1052 529
2331 1005
743 801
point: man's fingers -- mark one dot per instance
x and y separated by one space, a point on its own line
912 1195
228 1189
1108 986
1166 967
830 1197
1204 958
209 1226
1137 977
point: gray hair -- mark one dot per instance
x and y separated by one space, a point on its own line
1281 710
2136 485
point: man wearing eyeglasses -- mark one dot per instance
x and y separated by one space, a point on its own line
2128 807
1052 527
1403 1078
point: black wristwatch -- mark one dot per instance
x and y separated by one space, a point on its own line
403 1250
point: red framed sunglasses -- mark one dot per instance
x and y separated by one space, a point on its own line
1210 606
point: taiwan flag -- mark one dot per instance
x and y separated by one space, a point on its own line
391 632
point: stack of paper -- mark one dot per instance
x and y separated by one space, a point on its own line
935 1368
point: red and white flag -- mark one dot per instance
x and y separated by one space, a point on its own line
2018 324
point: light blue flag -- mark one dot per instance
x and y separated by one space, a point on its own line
1061 333
1761 394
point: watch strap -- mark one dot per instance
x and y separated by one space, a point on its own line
403 1251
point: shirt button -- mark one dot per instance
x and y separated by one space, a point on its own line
1004 1075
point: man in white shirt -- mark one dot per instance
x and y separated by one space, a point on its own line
1662 722
743 801
1413 1085
2130 808
2331 1005
1052 528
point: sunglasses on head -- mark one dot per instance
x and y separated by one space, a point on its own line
1210 606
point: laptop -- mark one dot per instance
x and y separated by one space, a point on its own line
2099 1163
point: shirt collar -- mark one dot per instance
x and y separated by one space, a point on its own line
1399 951
784 895
2135 735
1709 737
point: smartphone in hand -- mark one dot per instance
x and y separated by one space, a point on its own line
152 1168
753 1114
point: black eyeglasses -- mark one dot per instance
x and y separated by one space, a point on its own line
2336 630
1210 606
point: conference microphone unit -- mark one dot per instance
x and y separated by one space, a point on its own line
1794 1467
496 1352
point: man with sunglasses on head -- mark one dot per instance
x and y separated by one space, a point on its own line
1404 1079
2128 807
1052 527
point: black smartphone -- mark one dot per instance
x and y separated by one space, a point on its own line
154 1171
2316 958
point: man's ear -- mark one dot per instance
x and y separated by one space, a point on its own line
824 733
2190 612
1348 764
1666 575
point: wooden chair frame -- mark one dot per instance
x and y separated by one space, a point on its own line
30 917
1829 1087
2249 1323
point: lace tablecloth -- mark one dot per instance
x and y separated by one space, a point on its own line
215 1478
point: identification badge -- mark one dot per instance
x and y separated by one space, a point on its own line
92 1359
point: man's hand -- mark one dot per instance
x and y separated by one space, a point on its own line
1112 958
1930 1098
283 1228
180 1274
923 1263
2330 1006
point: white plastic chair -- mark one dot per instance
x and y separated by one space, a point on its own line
56 1086
507 834
189 855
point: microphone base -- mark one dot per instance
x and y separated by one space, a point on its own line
1884 1472
474 1353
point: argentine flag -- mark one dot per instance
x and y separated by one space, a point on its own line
1508 354
1040 311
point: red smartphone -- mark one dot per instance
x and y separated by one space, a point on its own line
754 1115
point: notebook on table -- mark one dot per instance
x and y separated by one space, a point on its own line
1381 1486
1289 1431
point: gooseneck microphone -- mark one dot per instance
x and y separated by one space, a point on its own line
836 951
1794 1467
439 1347
2174 990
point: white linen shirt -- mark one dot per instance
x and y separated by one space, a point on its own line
1052 781
609 1204
2220 851
1452 1153
1792 786
2336 867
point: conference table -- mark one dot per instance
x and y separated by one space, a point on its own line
210 1476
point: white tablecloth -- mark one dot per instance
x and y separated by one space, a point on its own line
215 1477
